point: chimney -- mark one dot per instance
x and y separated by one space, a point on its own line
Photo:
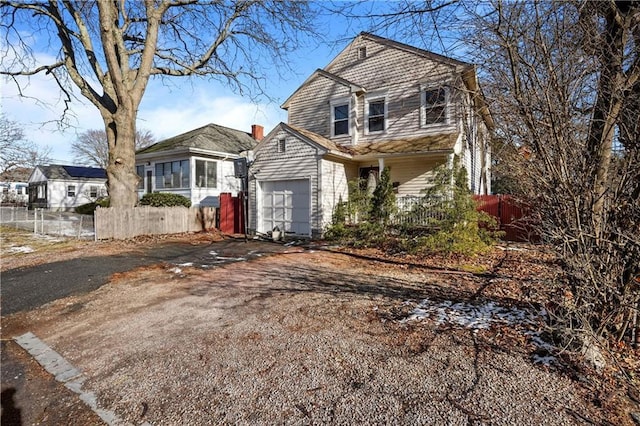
257 132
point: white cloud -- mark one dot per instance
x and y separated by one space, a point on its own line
165 112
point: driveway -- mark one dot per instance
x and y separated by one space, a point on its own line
306 337
28 288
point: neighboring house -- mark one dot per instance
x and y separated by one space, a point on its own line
58 187
197 164
13 186
378 104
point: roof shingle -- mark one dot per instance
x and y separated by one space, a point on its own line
211 137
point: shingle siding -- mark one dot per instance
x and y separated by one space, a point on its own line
399 74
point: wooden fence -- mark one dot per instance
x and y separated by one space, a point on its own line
123 223
512 216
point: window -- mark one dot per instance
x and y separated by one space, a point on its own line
375 112
41 191
174 174
376 116
362 52
434 106
282 145
340 119
71 190
140 173
93 192
206 174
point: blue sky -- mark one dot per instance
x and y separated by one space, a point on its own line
176 105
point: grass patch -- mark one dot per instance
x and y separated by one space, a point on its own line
18 242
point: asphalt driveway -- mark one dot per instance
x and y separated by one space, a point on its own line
27 288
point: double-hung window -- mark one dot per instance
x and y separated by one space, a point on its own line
206 174
340 117
71 190
376 115
435 109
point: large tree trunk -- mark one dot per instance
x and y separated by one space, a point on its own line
122 180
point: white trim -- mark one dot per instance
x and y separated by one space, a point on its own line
448 121
374 97
333 103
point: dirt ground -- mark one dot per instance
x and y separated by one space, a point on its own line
314 336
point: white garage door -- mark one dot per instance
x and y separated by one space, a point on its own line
286 204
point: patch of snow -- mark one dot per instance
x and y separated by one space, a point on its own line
176 270
186 264
21 249
484 316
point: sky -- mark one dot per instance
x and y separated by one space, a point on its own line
171 106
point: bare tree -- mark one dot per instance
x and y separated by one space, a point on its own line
111 49
15 150
92 148
562 80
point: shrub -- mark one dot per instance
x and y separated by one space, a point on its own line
164 199
89 208
461 229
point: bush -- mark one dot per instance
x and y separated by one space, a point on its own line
89 208
164 199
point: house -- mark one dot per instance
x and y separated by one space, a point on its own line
378 103
13 186
58 187
197 164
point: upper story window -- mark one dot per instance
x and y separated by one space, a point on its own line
375 110
282 145
71 190
174 174
206 174
434 105
93 191
362 52
339 118
377 116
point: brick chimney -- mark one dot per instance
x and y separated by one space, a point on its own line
257 132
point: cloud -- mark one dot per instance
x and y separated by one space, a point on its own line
186 110
165 111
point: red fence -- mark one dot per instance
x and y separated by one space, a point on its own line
512 216
231 214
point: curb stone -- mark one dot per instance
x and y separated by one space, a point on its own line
66 374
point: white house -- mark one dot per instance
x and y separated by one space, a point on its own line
197 164
378 104
58 187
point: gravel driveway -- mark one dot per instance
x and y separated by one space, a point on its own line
305 337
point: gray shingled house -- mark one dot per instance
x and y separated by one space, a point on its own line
378 103
196 164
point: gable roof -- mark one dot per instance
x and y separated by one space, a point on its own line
57 171
401 46
211 137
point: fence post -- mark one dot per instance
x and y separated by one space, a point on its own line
79 228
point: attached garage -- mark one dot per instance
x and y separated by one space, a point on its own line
286 204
